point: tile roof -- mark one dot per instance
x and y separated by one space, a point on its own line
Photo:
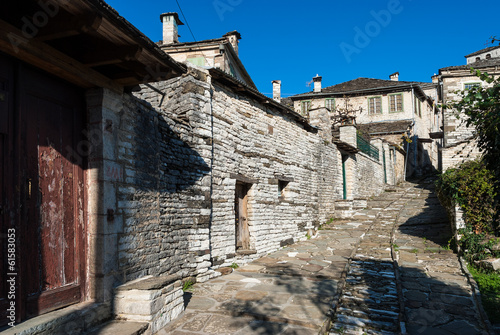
377 128
360 84
482 51
483 63
287 102
389 127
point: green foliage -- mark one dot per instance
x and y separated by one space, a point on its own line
187 285
481 106
234 266
471 187
489 285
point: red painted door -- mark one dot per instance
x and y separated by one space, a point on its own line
52 112
49 189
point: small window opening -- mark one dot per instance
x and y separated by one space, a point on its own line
488 56
282 184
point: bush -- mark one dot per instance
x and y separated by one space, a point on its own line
471 187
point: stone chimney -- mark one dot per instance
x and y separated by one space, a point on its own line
170 31
394 76
317 83
233 37
277 90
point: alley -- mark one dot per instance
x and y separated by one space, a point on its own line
385 271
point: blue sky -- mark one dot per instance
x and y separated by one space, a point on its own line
340 40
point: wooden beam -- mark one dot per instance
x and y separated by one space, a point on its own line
113 55
43 56
68 25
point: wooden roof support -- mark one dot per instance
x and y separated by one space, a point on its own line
68 26
39 54
111 56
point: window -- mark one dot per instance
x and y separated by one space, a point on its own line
282 184
375 105
395 103
305 106
330 104
468 86
418 107
478 59
488 56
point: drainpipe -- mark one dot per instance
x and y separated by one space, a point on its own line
414 129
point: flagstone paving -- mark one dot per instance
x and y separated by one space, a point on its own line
385 271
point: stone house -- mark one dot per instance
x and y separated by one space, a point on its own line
221 53
125 172
388 109
459 144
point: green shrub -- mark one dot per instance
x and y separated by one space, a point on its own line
489 286
471 187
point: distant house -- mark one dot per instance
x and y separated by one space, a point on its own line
458 144
221 53
483 54
389 109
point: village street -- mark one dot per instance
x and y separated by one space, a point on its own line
349 266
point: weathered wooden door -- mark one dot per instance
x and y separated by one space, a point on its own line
54 195
48 184
241 216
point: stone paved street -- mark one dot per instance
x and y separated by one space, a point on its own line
385 271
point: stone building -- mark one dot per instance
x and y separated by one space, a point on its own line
125 172
459 144
388 109
221 53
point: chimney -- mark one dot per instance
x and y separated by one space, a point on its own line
170 31
317 83
233 37
394 76
277 90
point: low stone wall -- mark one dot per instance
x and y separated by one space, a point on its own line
455 215
155 300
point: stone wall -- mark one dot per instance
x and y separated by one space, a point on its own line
265 146
369 176
195 140
184 146
455 155
458 145
165 193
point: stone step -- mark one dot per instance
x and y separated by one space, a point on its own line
120 327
